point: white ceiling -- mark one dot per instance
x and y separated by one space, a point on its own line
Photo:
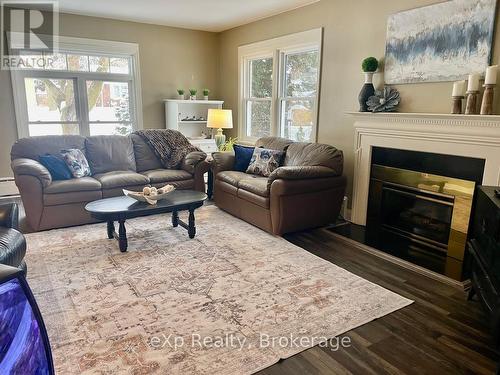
208 15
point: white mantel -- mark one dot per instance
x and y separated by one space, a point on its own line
461 135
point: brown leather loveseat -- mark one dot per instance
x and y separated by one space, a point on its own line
117 162
305 192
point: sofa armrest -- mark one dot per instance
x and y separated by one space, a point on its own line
301 173
292 187
9 215
192 160
222 161
33 168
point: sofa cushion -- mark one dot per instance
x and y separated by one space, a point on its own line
145 158
231 177
34 147
118 179
179 184
249 182
108 153
273 143
71 197
167 175
220 185
255 184
75 184
259 200
314 154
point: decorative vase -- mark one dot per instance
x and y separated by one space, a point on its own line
180 97
192 97
205 97
367 91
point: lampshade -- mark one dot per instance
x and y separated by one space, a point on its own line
220 119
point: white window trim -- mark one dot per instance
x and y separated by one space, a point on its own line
275 47
87 47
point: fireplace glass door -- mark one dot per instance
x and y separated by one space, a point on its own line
416 214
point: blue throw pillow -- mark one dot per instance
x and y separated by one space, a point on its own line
242 157
57 167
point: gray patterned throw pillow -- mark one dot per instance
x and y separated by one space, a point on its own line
77 162
265 161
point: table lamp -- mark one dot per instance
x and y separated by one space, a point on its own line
220 119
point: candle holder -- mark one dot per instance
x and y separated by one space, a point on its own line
456 109
471 106
487 104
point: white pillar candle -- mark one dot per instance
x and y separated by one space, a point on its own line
491 75
459 88
473 82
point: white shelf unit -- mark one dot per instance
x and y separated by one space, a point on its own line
176 110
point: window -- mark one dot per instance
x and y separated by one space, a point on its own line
279 87
89 87
259 101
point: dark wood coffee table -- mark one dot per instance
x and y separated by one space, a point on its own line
123 208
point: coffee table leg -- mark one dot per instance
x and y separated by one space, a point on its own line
111 229
175 219
210 183
191 223
122 237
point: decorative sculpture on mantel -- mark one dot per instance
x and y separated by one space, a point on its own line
386 100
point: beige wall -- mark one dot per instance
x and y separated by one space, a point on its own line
353 30
170 58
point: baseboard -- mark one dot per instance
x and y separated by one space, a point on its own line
462 285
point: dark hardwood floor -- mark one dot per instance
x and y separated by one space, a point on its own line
441 333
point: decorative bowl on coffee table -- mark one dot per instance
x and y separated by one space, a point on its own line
150 198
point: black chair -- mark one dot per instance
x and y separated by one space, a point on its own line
12 242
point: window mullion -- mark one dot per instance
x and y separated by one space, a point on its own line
131 107
83 112
281 94
247 89
274 102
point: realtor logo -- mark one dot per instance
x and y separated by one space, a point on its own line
30 29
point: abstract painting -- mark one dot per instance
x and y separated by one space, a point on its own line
441 42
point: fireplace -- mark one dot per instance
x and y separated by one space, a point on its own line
454 146
419 215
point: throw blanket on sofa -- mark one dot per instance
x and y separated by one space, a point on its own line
170 146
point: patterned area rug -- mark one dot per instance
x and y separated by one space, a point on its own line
234 300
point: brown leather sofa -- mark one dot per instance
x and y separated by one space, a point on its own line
117 162
306 192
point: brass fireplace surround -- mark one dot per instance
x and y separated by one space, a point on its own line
458 191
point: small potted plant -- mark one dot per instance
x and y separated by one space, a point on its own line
192 94
205 93
369 66
180 94
228 145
